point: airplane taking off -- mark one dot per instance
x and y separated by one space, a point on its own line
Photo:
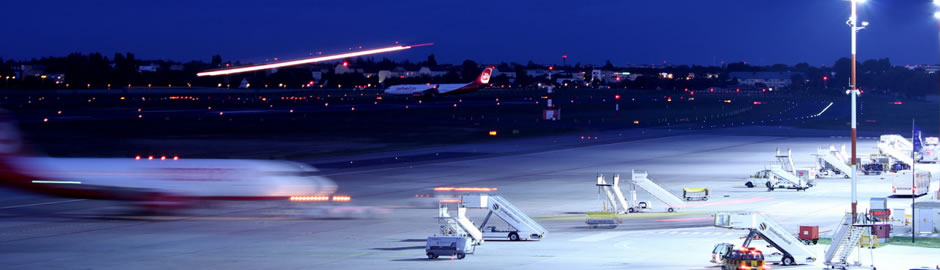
442 89
155 183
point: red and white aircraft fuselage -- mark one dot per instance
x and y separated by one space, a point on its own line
155 180
442 89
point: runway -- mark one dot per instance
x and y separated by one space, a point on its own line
554 186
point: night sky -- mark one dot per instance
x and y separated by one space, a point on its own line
701 32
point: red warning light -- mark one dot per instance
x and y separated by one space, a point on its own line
617 96
345 64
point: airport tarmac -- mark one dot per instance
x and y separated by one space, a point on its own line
554 186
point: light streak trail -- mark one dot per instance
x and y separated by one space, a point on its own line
307 60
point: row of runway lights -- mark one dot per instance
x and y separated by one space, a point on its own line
327 104
138 157
321 198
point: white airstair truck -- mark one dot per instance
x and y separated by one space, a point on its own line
831 160
458 236
522 227
641 179
785 176
615 201
897 148
793 250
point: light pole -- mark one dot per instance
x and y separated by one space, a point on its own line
936 15
853 92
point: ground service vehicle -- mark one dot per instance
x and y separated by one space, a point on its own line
873 169
902 184
695 194
930 154
744 259
719 252
601 219
758 178
458 246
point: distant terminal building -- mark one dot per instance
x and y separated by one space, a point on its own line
766 78
152 67
29 70
431 71
508 72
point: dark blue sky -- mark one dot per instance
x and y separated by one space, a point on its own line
626 31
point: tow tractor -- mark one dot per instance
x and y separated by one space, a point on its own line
721 251
744 259
718 253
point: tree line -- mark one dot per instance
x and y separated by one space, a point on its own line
95 70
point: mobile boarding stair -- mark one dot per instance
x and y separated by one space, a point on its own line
458 225
844 241
835 160
897 148
794 251
523 226
785 174
616 202
641 179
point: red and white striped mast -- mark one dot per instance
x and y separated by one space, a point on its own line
854 92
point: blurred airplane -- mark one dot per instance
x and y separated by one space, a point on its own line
442 89
156 183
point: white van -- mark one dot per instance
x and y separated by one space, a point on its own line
901 185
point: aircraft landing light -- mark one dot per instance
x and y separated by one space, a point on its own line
307 60
56 182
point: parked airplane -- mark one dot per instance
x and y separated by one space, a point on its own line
442 89
155 182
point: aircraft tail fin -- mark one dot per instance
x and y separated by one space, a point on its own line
485 76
